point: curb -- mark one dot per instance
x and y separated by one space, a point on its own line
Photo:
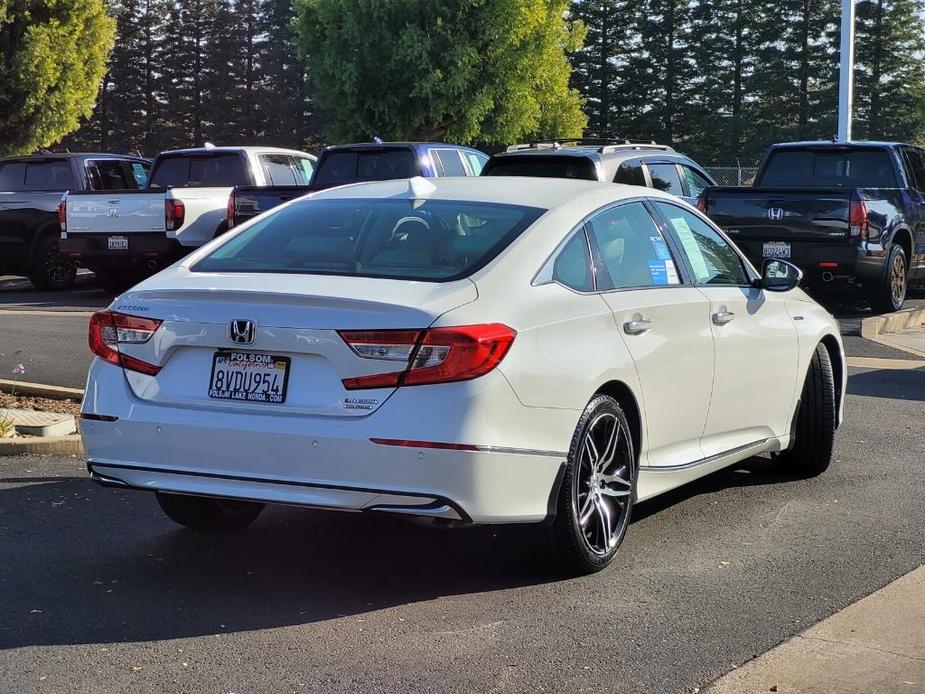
41 390
57 445
875 326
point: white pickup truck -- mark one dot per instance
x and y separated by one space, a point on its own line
123 235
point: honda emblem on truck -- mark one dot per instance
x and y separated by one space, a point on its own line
242 332
775 214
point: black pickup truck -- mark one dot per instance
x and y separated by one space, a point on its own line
841 211
31 189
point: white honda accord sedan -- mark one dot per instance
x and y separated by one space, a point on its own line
473 350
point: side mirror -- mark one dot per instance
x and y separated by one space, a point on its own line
779 275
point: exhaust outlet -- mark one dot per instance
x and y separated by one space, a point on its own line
827 276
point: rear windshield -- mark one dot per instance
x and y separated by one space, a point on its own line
54 174
430 240
200 171
337 168
805 168
544 167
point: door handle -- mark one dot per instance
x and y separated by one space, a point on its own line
637 326
722 317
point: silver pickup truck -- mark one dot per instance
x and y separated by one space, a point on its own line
123 235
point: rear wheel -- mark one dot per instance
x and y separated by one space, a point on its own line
50 269
814 435
205 513
596 497
890 295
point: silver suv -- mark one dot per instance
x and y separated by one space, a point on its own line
634 162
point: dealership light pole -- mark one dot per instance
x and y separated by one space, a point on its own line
846 71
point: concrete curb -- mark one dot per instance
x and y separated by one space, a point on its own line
41 390
875 326
55 445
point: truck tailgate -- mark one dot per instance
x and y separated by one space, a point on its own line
778 214
250 201
117 211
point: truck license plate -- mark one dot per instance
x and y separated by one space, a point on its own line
776 249
249 377
118 243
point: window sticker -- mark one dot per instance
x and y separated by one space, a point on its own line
694 254
671 272
662 272
661 248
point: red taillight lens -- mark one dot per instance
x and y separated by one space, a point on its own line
437 355
702 202
174 212
62 215
109 329
857 218
229 211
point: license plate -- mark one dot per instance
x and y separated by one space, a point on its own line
249 377
118 243
776 249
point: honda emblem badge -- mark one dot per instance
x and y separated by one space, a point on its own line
775 214
242 332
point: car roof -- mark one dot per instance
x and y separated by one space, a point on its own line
542 193
380 145
44 156
233 149
835 144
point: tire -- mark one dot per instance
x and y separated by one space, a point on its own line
811 450
890 295
50 270
112 281
205 513
576 540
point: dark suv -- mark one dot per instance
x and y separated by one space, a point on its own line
634 162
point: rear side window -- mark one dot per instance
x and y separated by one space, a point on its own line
278 169
833 168
109 175
665 177
630 173
632 249
450 162
572 266
542 166
349 167
430 240
476 162
198 171
36 175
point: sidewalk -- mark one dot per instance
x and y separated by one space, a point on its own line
875 645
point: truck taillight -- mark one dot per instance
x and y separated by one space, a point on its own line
858 218
229 212
109 329
62 215
435 355
174 211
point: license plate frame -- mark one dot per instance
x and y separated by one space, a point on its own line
117 243
258 363
776 249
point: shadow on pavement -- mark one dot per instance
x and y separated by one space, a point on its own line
898 384
84 295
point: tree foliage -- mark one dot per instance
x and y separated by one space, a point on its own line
460 70
52 60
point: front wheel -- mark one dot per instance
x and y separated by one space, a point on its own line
890 295
50 269
206 513
810 452
596 496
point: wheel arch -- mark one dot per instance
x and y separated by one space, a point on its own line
624 395
902 237
43 232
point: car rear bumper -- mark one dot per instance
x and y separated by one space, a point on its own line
92 249
822 261
310 461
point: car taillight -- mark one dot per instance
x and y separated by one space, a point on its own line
229 211
435 355
857 218
62 215
174 211
702 202
109 329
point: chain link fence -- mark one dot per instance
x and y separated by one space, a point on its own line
733 175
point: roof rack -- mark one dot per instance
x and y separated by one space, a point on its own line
605 144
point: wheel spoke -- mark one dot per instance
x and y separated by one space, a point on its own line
603 513
591 448
615 486
610 449
587 510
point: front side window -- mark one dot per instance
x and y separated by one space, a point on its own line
278 169
572 266
632 251
430 240
450 162
696 183
140 172
713 259
665 177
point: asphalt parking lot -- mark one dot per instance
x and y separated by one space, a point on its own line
102 593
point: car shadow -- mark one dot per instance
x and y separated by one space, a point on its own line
894 384
84 294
